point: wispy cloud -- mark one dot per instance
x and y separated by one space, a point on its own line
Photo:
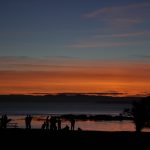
106 44
122 15
97 45
146 57
124 35
113 9
62 63
21 33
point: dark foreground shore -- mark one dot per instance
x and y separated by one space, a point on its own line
97 140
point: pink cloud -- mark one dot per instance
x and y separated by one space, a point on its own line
122 15
98 44
124 35
115 9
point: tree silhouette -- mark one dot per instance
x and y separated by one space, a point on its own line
141 113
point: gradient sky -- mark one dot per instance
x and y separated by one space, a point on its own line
53 46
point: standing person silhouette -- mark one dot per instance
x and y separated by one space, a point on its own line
29 121
59 123
26 121
43 125
72 123
5 121
47 122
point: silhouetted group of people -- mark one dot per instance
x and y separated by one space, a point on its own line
3 121
54 123
28 120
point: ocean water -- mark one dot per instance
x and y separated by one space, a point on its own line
37 121
62 108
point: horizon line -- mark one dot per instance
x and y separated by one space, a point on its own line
103 94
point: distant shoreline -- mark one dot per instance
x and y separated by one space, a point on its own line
105 94
67 97
83 117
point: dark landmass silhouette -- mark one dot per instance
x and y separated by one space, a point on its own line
69 98
102 117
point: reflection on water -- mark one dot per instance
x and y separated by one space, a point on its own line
107 125
84 125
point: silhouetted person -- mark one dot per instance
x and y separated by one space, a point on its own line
59 124
79 129
43 125
47 122
1 122
29 121
26 122
120 117
53 121
72 123
4 121
66 128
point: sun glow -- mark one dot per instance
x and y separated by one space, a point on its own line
127 80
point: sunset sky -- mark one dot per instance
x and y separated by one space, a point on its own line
75 46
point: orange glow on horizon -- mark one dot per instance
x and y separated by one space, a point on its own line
126 79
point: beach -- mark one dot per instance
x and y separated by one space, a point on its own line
95 139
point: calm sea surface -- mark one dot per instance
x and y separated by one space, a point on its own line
62 108
39 111
38 120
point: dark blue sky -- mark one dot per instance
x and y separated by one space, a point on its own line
93 29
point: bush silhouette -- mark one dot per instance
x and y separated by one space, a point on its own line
141 113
